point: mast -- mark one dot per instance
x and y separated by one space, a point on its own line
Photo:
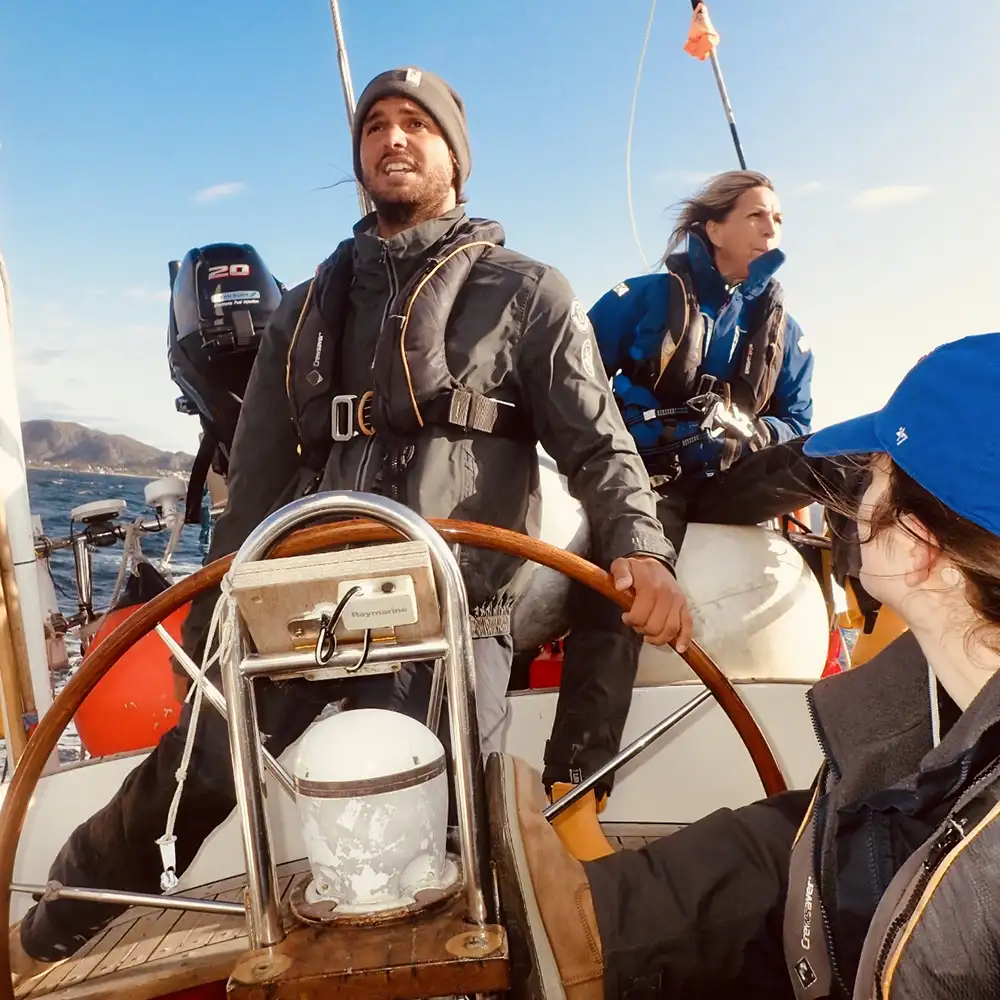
702 42
345 80
25 665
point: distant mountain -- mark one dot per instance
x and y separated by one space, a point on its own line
58 444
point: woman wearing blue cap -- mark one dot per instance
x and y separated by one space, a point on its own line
883 880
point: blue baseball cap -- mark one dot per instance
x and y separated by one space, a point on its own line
941 426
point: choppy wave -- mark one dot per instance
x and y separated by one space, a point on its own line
52 495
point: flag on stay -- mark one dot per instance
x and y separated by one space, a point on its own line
702 37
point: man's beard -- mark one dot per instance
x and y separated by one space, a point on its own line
408 208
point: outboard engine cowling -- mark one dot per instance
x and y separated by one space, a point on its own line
221 298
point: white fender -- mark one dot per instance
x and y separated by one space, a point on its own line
758 609
540 608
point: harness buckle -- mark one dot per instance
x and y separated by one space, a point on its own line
342 417
365 424
348 420
706 396
459 407
721 418
472 411
717 414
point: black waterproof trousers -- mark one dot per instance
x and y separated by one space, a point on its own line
698 915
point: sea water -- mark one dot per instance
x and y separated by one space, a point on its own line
53 493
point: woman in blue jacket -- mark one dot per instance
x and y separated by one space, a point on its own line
707 369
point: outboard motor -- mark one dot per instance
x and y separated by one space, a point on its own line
221 298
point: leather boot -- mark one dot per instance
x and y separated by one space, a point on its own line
578 827
548 911
22 966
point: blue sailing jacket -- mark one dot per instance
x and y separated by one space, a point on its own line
631 319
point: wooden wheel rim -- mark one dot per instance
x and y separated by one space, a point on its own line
354 532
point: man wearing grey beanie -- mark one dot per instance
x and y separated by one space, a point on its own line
424 361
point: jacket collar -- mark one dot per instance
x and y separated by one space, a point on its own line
874 723
712 286
410 245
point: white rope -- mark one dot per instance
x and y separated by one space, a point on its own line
130 555
132 548
223 621
176 527
628 144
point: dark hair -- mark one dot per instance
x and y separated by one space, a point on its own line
974 550
456 181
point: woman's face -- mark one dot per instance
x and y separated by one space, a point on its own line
752 227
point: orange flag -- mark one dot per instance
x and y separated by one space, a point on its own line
702 36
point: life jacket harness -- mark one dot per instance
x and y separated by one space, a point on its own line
808 947
412 385
674 373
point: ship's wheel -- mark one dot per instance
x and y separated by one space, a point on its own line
140 623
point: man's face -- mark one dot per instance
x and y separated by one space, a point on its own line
405 160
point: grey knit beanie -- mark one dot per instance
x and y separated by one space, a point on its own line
432 94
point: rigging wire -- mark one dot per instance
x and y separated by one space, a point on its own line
628 143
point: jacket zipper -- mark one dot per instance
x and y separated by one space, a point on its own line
873 863
949 839
827 927
393 289
817 866
820 736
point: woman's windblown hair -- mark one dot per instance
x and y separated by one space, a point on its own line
713 203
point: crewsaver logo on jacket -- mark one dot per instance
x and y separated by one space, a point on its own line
805 973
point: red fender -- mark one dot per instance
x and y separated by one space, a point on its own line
134 704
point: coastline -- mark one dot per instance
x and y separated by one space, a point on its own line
105 472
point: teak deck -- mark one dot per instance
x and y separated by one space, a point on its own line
148 953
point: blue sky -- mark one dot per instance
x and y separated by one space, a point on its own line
130 132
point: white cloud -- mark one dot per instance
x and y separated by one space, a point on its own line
872 199
226 190
138 401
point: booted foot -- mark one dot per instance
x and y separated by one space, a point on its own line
578 828
22 966
544 892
